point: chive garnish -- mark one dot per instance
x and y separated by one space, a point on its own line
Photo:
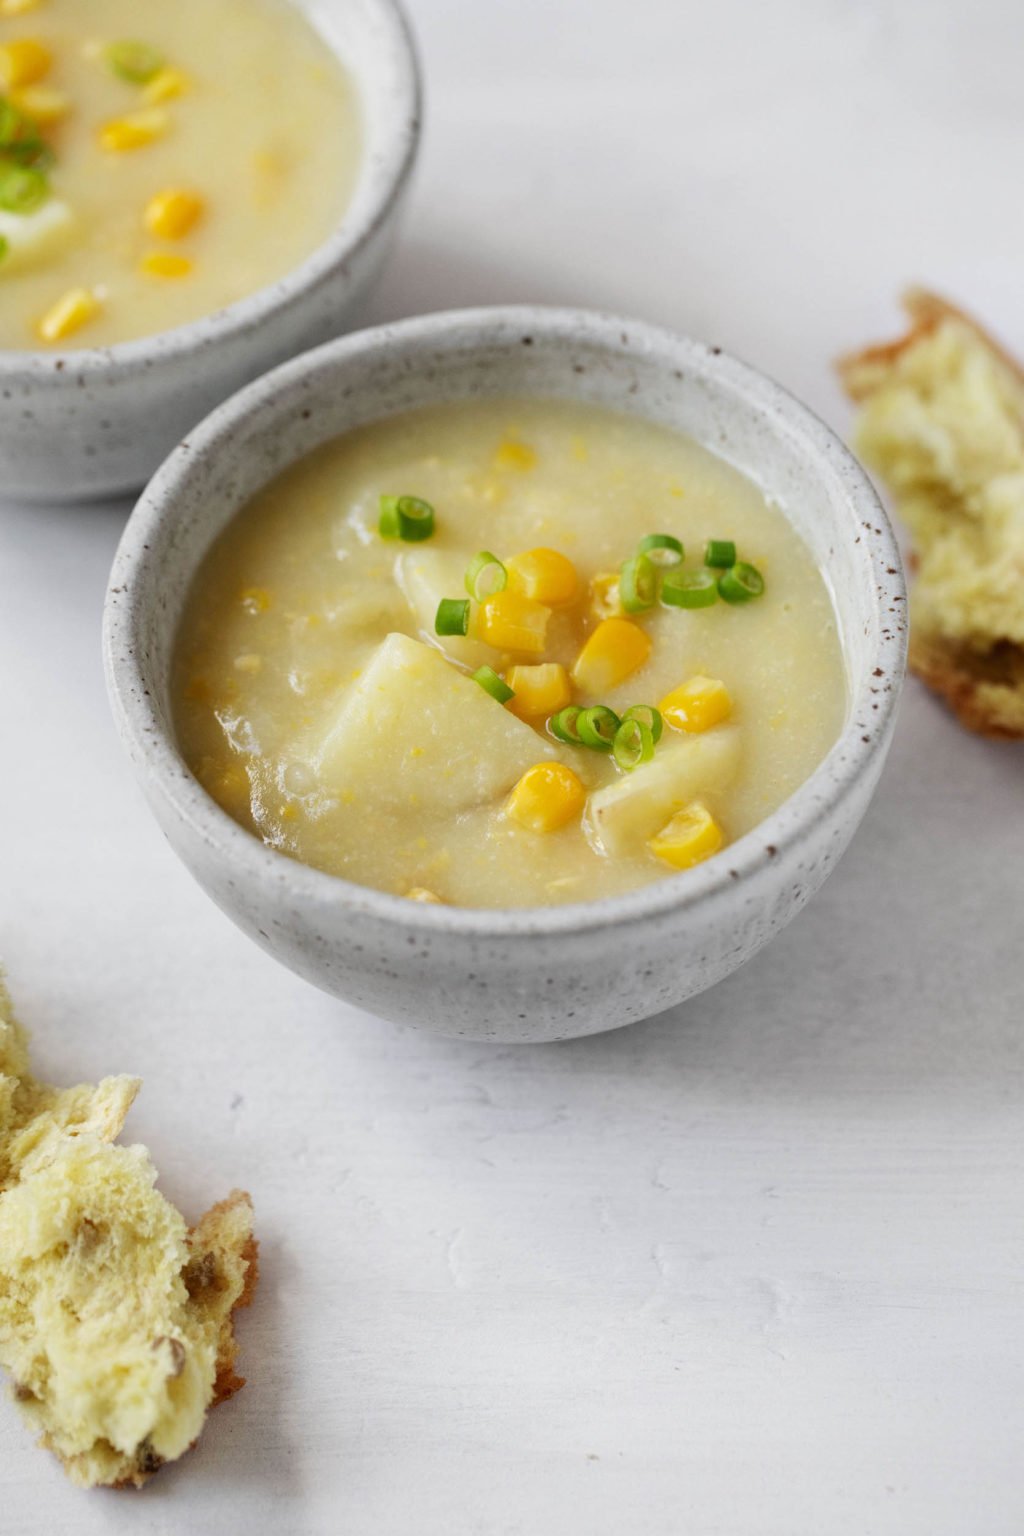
22 188
633 744
741 583
491 683
661 549
485 576
689 589
597 727
134 62
647 715
405 517
452 616
563 725
638 584
720 553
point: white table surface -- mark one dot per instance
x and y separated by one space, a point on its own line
752 1268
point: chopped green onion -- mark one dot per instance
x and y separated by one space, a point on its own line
405 517
633 744
661 549
597 727
741 583
22 188
135 62
689 589
485 576
452 616
647 715
20 138
720 553
563 725
491 683
638 584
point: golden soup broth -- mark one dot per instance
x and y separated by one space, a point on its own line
291 607
265 133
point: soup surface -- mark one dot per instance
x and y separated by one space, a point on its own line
318 705
159 162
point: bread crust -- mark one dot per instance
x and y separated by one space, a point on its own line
983 687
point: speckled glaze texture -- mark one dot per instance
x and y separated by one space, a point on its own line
93 422
540 973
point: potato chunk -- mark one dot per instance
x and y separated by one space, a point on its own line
415 731
623 816
427 575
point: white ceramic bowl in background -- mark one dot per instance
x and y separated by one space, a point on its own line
96 421
541 973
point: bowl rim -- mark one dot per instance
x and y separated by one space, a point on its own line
386 174
862 743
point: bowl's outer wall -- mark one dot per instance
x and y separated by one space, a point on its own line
82 425
512 981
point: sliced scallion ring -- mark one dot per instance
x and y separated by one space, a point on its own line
720 554
134 61
741 583
647 715
597 727
22 188
661 549
485 576
491 683
638 584
633 744
405 517
689 589
452 616
563 725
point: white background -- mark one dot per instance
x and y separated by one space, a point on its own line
752 1268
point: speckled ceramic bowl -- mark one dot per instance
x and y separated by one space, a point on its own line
539 973
96 421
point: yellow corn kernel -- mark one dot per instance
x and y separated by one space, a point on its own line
509 621
545 575
23 62
690 837
255 599
17 7
76 308
539 690
42 104
605 599
420 893
511 454
133 131
165 264
547 797
615 649
170 214
696 705
165 85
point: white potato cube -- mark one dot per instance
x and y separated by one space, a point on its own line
34 237
621 817
427 575
415 732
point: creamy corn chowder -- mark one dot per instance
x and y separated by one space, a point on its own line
159 162
507 653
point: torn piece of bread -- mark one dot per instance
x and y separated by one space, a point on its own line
942 421
116 1322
